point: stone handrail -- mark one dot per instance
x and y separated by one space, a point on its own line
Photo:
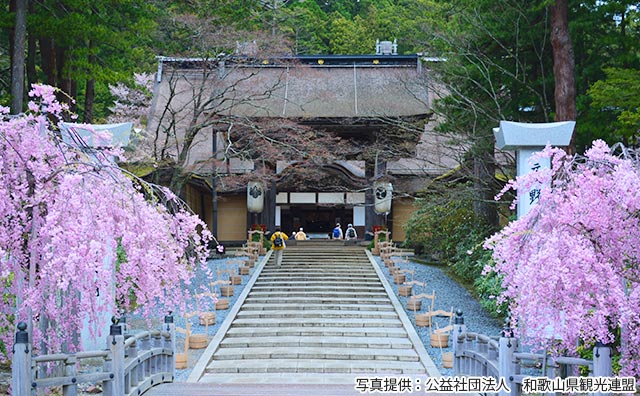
126 367
479 355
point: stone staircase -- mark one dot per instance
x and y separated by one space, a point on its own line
323 316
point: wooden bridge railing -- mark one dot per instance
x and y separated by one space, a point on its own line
479 355
130 364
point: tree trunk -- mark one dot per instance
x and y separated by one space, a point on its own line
89 96
90 91
563 65
18 58
65 84
32 74
484 168
48 60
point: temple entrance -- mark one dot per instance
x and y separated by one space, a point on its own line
317 221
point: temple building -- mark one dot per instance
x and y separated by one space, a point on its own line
378 106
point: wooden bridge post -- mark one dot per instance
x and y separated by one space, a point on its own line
21 363
107 367
70 371
507 347
458 328
115 343
170 327
602 362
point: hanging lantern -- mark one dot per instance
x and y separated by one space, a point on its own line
255 197
383 192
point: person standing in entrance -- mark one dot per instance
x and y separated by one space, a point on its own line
278 245
337 232
300 235
350 233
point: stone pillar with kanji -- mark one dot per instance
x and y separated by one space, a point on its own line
526 139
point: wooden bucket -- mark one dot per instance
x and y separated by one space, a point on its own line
207 318
439 340
221 304
413 304
447 360
405 290
423 320
181 361
226 291
399 279
243 270
250 263
198 341
236 280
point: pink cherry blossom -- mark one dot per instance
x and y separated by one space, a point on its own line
570 267
65 213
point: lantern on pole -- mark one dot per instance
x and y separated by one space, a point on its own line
382 192
255 197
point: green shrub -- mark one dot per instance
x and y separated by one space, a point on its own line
445 229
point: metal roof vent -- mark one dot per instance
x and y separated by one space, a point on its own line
386 47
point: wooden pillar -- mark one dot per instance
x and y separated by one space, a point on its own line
458 328
602 363
21 364
506 348
170 327
70 371
115 343
269 212
371 218
214 185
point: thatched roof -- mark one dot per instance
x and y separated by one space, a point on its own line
303 88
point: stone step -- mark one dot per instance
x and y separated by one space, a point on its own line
323 314
316 322
298 331
327 307
265 299
321 260
314 366
323 249
289 352
317 283
320 341
315 280
286 274
320 313
263 384
303 254
324 278
317 270
297 277
315 293
321 288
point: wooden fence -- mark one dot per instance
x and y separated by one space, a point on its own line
130 364
478 355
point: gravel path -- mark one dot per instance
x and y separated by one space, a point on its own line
448 294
